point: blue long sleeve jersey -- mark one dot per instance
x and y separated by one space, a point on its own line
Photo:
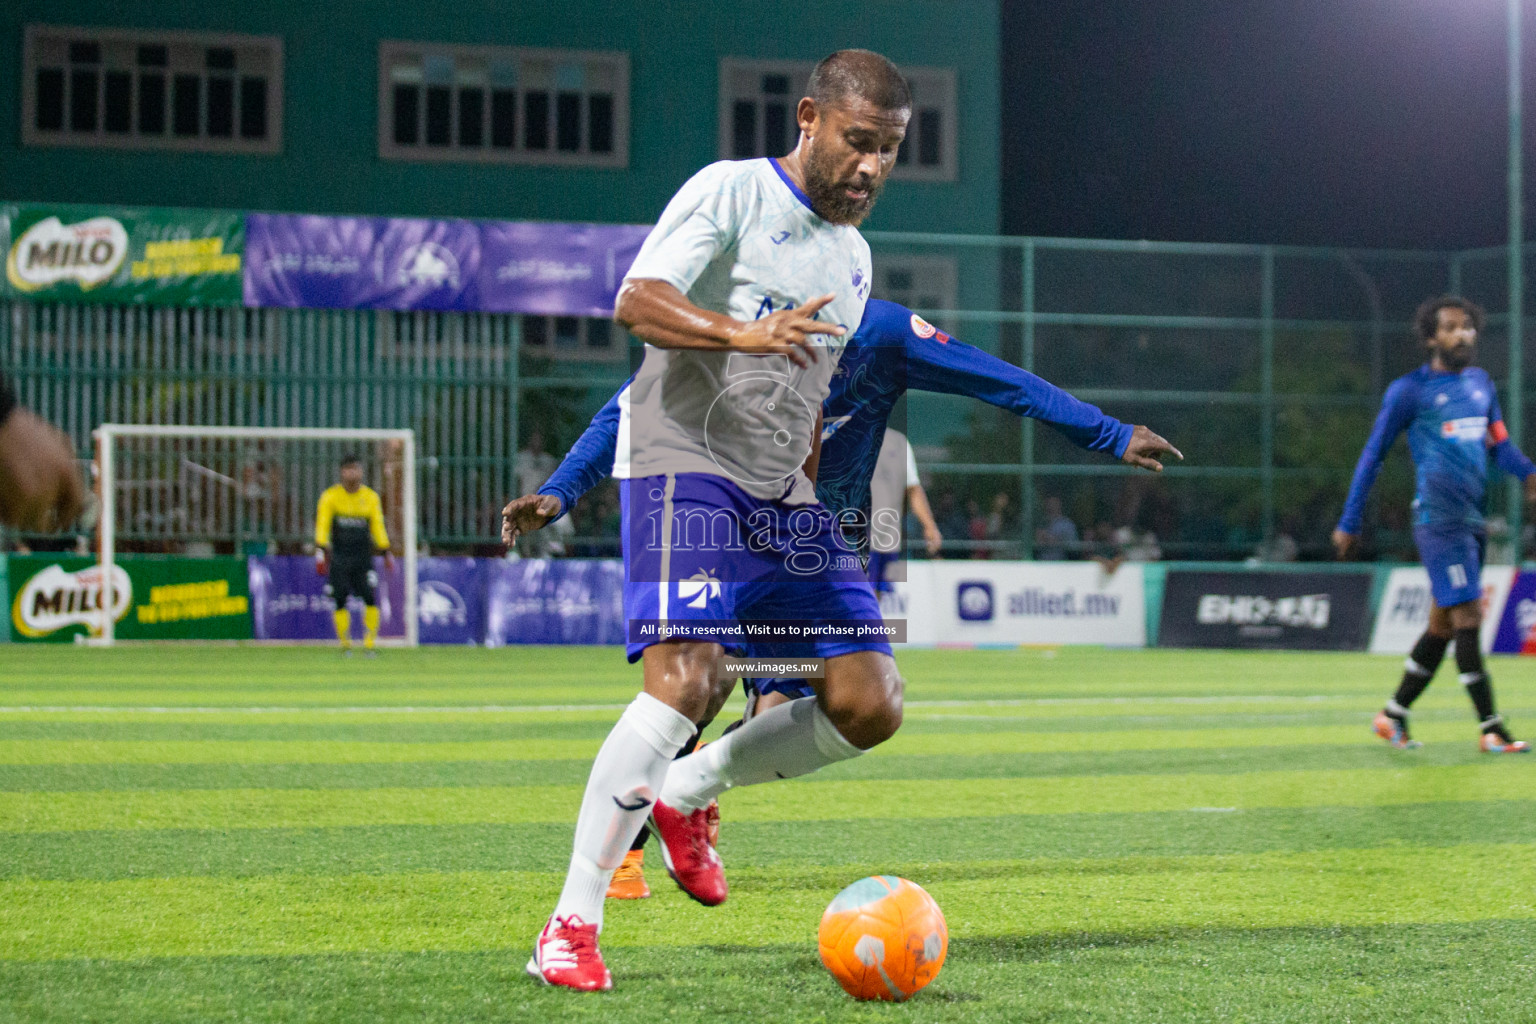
893 350
1453 422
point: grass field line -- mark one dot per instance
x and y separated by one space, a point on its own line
833 800
501 910
512 709
349 751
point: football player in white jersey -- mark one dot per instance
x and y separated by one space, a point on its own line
743 293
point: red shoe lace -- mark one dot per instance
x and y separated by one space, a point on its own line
698 833
581 939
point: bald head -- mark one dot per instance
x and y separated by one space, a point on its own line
859 75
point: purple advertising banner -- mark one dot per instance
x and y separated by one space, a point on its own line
450 600
1517 629
361 263
554 269
288 600
554 601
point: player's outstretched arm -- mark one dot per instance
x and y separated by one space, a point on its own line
1397 409
529 513
40 485
1147 449
656 312
937 362
590 460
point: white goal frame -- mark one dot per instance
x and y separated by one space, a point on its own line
107 434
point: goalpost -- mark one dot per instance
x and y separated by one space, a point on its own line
194 487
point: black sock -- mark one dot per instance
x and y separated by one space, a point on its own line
688 748
1420 668
1469 661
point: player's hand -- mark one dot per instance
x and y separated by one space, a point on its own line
1147 450
1530 489
322 562
787 332
526 514
933 540
40 485
1343 544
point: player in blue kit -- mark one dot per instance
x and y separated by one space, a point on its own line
894 350
1451 413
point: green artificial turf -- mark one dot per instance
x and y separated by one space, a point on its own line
195 834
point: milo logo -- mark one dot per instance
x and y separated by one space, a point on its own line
54 599
49 252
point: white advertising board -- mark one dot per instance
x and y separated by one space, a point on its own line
1403 613
984 602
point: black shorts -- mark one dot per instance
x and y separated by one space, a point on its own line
359 581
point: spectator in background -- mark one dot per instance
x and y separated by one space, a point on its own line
976 529
952 522
1057 539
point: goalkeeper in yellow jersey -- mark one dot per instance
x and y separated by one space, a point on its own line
349 528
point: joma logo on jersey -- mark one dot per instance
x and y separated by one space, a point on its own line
1467 428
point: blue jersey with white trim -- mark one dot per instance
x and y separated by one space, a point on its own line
1452 420
893 350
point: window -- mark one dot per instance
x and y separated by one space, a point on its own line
757 115
917 282
132 89
570 337
497 104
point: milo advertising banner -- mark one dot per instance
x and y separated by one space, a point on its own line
64 253
57 599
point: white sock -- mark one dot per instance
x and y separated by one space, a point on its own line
626 776
792 739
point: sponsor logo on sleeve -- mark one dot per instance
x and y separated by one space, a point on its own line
922 328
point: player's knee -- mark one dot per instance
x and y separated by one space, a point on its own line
873 713
683 675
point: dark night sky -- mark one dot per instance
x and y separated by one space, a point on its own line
1353 122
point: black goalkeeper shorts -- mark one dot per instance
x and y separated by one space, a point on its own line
359 581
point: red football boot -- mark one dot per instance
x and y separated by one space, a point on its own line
691 861
566 954
712 823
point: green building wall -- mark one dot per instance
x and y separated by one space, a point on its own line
330 162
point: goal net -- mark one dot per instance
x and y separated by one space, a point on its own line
169 492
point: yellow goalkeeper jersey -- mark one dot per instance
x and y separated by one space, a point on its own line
351 525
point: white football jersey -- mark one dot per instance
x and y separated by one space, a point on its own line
740 239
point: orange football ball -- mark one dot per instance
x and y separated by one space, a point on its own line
883 937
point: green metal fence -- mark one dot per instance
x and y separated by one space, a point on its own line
1264 364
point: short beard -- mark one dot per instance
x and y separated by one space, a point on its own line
1458 360
827 196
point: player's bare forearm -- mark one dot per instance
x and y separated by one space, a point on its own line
1147 449
656 312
